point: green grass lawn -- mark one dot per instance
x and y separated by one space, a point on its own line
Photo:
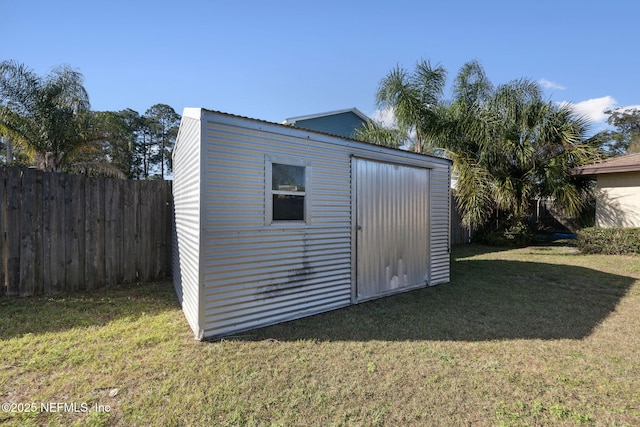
523 337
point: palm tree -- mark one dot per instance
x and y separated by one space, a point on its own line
508 145
49 117
414 99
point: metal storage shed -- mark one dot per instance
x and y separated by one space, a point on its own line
274 223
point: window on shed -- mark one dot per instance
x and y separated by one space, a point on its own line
288 192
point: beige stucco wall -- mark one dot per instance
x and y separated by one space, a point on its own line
618 200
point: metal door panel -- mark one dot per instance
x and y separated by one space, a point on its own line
392 220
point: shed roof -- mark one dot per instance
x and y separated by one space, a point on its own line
627 163
195 113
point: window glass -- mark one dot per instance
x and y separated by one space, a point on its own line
287 192
288 207
287 177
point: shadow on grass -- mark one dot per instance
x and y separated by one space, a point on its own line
486 300
42 314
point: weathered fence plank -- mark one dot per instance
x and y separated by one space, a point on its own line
64 233
458 233
47 247
3 230
100 233
13 197
113 232
28 236
73 220
149 235
129 231
163 233
58 232
90 235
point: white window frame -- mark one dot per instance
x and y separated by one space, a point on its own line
269 160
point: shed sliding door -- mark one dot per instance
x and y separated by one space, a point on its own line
392 228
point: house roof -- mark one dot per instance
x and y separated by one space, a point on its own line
627 163
293 120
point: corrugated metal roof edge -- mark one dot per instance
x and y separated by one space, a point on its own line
302 130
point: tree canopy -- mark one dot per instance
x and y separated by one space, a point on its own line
47 121
508 144
625 138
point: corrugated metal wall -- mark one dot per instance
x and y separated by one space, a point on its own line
440 225
254 272
186 241
257 274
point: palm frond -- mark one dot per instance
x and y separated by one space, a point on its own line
377 134
473 190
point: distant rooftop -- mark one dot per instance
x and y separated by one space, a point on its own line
340 122
626 163
292 121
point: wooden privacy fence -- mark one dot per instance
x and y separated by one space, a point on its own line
459 233
69 232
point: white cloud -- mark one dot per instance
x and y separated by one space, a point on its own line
385 117
548 84
593 109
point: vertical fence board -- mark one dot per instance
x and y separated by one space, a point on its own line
71 238
28 259
80 182
120 216
59 221
13 197
100 232
90 238
128 232
168 231
113 232
143 240
39 232
109 231
53 209
139 234
163 218
75 224
458 233
3 231
48 247
149 221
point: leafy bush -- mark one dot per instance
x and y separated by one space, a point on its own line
611 241
517 235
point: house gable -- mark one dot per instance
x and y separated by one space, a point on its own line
341 123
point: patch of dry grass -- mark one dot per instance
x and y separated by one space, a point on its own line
534 336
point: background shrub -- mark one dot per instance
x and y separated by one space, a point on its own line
612 241
517 235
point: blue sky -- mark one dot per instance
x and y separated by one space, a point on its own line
277 59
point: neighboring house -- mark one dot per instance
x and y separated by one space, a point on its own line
618 190
341 123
